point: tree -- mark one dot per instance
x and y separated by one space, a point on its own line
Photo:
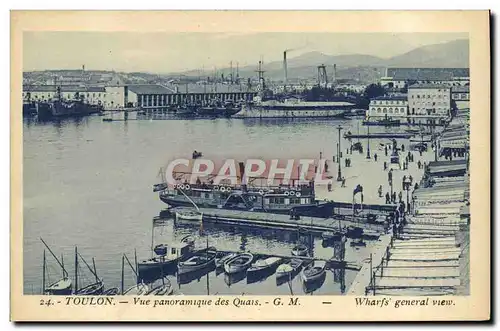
373 91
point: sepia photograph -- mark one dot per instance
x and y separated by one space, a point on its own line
294 163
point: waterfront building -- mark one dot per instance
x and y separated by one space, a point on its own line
400 78
153 96
461 96
428 103
388 107
91 94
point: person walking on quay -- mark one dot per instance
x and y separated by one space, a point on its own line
402 148
404 181
343 182
416 186
411 179
380 191
387 198
375 157
389 174
393 197
400 196
385 149
385 165
419 164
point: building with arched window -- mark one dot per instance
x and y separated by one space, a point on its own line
387 106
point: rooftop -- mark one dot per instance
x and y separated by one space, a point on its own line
150 89
460 89
391 97
64 88
427 73
428 86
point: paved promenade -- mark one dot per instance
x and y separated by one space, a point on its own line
371 174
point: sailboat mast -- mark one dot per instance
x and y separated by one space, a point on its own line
43 275
62 263
136 266
76 269
55 257
123 272
95 271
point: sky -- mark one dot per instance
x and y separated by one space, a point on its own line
177 52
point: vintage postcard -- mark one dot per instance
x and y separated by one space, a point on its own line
250 166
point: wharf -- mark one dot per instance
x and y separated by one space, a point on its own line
258 219
364 276
396 135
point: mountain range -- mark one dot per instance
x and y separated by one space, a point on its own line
453 54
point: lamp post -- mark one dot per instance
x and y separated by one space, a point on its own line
368 147
339 175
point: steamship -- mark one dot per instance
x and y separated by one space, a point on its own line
295 201
60 108
292 107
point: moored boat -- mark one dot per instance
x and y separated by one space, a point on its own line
290 269
163 289
300 250
222 258
264 264
63 286
314 271
162 264
138 289
92 289
238 263
199 260
189 215
111 291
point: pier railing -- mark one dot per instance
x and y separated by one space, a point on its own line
379 268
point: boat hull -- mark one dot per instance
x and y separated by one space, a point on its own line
322 209
299 110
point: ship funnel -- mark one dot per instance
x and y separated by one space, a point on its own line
285 69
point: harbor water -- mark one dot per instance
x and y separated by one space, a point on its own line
88 183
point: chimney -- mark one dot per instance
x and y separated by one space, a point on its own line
285 69
334 74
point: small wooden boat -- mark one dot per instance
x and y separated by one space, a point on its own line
198 261
234 278
92 289
222 258
63 286
163 289
238 263
300 250
271 263
189 215
139 289
314 271
290 269
111 291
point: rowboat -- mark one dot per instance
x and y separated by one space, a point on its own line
263 264
189 215
290 269
238 263
300 250
111 291
139 289
92 289
198 261
164 289
222 258
162 264
262 269
314 271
